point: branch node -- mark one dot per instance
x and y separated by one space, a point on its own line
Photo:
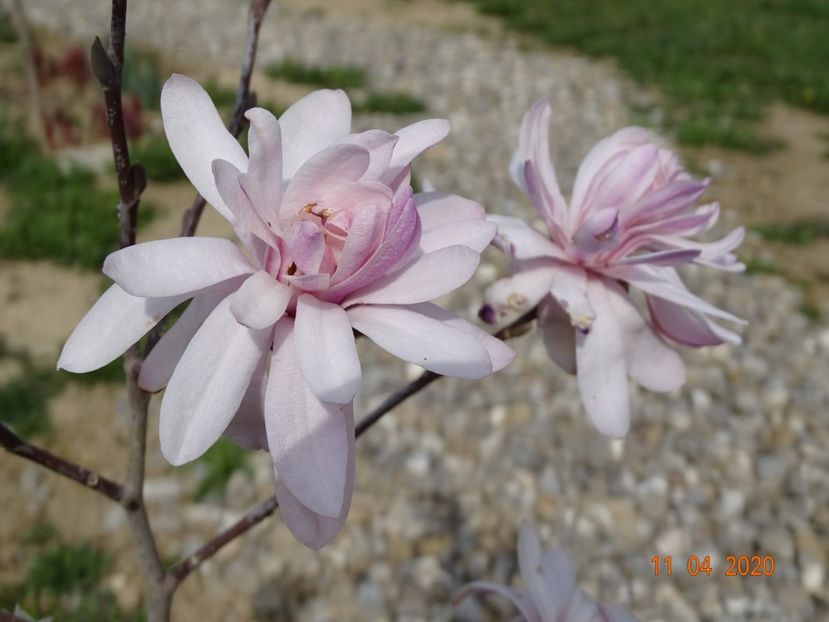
101 64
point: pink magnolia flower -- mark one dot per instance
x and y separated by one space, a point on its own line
551 593
626 228
334 242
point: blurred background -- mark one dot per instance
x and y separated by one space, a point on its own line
736 462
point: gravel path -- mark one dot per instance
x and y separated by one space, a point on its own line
734 463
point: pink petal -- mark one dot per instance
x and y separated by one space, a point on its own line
260 301
208 384
115 322
687 326
430 276
557 334
364 236
614 613
158 367
265 167
522 291
197 136
306 243
422 340
664 202
600 365
518 239
661 258
437 209
500 354
247 428
311 441
648 359
326 350
412 141
624 183
175 267
380 146
312 124
569 288
597 232
333 165
474 234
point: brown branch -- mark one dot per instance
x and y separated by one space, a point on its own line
245 100
85 477
265 508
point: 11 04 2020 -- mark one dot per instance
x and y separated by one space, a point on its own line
732 566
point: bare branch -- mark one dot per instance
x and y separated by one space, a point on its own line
265 508
100 484
244 101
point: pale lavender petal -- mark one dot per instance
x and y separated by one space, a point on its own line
429 277
326 350
306 243
412 141
208 384
197 136
521 241
422 340
614 613
380 146
175 267
260 301
437 209
660 258
247 428
521 600
569 288
559 578
247 219
600 365
335 164
158 367
597 232
364 236
529 563
687 326
522 291
264 174
312 124
626 182
664 202
115 322
648 359
311 441
557 334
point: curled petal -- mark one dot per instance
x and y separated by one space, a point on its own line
569 288
260 301
522 291
380 146
412 141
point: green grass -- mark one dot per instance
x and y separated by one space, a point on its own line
142 77
393 103
24 401
56 214
719 64
333 77
158 160
799 233
222 96
220 462
760 266
8 34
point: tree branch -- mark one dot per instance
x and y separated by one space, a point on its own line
263 509
245 100
100 484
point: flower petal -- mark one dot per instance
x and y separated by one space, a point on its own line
686 326
557 334
247 428
175 267
380 146
326 350
260 301
521 241
265 167
600 367
208 384
520 599
197 136
158 367
419 339
437 209
529 562
311 441
428 277
521 291
413 140
312 124
569 288
115 322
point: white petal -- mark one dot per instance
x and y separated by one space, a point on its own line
569 288
558 334
326 350
600 367
158 367
523 290
518 239
310 440
264 174
413 140
197 136
208 384
175 267
437 209
312 124
421 340
115 322
428 277
260 301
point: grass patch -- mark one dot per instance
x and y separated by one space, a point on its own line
393 103
719 64
760 266
798 233
8 34
56 214
24 401
333 77
158 159
220 462
222 96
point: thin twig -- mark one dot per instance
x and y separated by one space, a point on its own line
245 100
265 508
86 477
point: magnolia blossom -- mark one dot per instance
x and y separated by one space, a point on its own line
626 228
334 243
551 593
